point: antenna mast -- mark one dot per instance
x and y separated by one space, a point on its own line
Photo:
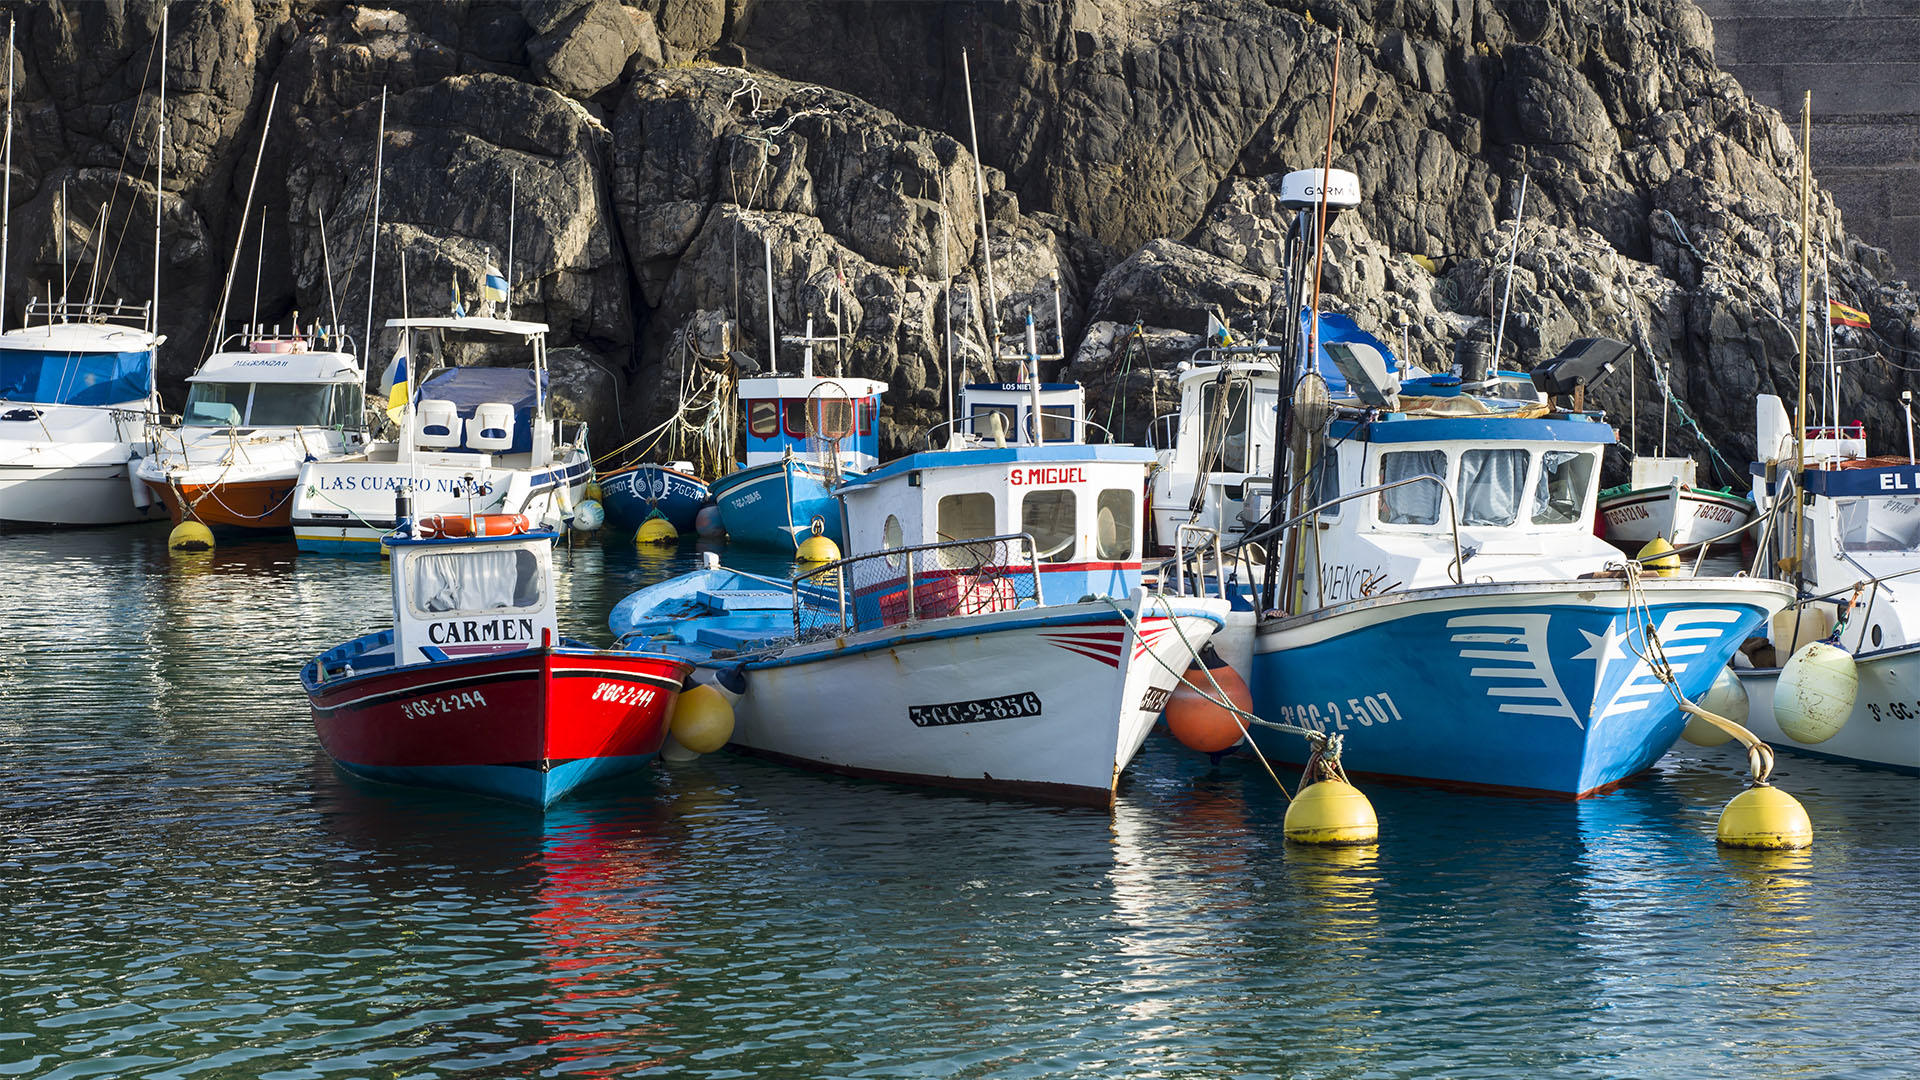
159 188
246 211
373 248
6 186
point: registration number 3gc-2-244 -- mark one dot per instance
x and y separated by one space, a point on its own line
1337 716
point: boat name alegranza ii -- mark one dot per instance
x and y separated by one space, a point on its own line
476 440
1859 585
474 690
257 411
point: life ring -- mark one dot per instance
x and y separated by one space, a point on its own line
458 526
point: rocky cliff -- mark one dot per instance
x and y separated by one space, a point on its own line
636 168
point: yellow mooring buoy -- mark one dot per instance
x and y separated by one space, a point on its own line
1767 818
1330 812
595 492
656 530
818 548
190 535
702 719
1659 557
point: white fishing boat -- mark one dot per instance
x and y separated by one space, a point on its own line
471 440
76 399
1664 499
257 411
995 631
1858 582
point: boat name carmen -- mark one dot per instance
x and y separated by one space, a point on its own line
455 631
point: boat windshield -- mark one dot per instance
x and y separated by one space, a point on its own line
68 378
1880 524
223 404
1559 498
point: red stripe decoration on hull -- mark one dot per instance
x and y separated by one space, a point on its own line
1106 647
529 708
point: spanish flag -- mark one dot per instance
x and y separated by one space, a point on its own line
1839 314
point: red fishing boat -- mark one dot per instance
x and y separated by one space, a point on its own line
473 689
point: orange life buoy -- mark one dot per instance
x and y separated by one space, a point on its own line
456 526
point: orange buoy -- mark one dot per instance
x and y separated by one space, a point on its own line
1193 716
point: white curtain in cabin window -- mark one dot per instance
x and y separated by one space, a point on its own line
1560 495
1413 504
1490 486
476 581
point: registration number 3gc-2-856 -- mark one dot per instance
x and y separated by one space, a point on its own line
1333 715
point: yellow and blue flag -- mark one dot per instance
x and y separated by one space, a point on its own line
495 286
394 382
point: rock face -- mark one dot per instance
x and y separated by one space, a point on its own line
635 168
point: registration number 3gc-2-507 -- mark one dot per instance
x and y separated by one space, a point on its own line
1356 712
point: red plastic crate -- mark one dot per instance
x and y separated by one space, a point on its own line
949 594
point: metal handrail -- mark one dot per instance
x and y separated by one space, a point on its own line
1199 555
86 311
1453 516
1173 435
968 421
835 570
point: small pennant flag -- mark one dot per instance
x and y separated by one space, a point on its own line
394 382
495 287
1839 314
1217 332
459 309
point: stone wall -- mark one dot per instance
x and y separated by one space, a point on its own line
1861 60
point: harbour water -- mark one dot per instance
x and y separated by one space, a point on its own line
191 889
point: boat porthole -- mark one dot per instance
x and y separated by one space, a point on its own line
1876 637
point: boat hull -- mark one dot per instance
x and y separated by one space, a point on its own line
1633 518
94 494
329 520
1527 688
528 726
265 504
630 496
1043 703
1883 729
777 505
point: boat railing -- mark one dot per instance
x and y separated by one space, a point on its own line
923 581
87 311
1170 422
1453 515
1080 424
1205 547
261 338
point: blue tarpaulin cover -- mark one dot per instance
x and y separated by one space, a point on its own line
467 387
1337 327
73 378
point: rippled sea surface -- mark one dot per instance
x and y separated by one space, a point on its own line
190 889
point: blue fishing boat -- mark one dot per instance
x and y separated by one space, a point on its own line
1431 590
673 490
804 435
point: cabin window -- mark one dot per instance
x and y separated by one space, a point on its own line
892 537
1325 485
863 411
1057 421
349 402
763 418
796 414
216 404
1879 523
1227 412
1113 525
983 425
1411 504
477 581
290 405
825 418
1490 486
1049 517
1560 496
964 517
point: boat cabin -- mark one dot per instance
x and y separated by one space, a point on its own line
472 596
276 381
1080 503
78 355
1002 414
1521 489
805 416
